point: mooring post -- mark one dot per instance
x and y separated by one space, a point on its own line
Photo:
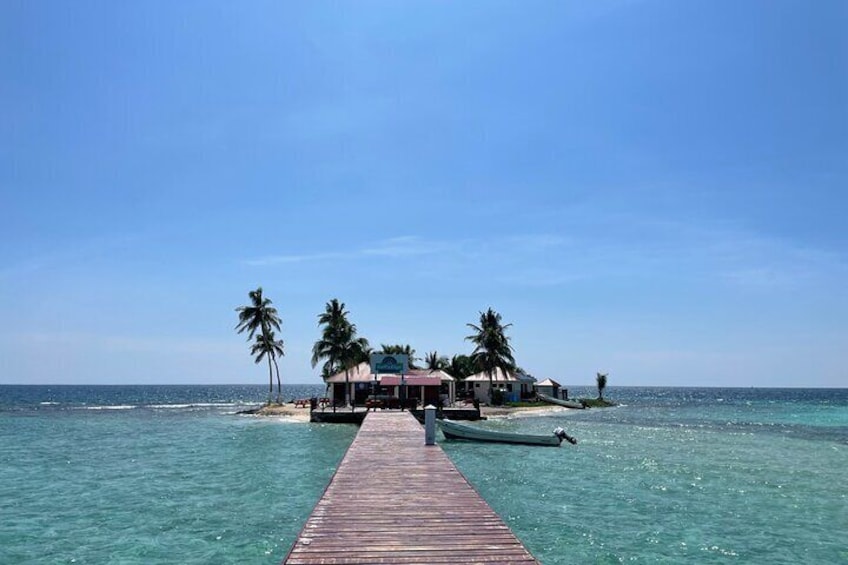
429 425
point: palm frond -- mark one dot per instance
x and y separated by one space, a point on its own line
339 346
492 349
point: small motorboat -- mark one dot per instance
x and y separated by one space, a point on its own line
559 402
453 430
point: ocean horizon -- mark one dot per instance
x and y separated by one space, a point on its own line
170 473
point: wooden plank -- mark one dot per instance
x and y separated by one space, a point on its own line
395 500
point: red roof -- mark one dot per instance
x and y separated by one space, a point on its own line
391 380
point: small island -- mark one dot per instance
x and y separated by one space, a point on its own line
600 402
359 379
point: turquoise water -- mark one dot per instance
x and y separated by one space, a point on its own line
678 475
106 483
170 474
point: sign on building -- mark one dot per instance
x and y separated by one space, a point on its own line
389 364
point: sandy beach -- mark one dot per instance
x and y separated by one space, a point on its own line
287 411
521 411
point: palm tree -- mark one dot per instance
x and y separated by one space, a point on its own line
334 319
461 366
260 316
364 353
601 380
277 350
261 349
339 345
434 362
491 345
399 349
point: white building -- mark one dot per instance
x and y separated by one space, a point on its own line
507 383
428 387
550 387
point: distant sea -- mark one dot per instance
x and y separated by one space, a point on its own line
170 474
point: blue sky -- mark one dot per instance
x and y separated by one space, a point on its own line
651 189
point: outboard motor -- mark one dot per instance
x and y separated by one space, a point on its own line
560 433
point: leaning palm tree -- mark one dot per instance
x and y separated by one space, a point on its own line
277 350
339 345
492 350
260 316
262 348
601 380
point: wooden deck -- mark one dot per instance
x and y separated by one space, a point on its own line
395 500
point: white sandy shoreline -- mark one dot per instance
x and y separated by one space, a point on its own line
498 412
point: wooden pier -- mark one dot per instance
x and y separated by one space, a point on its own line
395 500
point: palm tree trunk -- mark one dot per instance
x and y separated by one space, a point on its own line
279 386
491 387
270 380
347 388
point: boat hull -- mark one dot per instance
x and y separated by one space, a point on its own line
559 402
455 431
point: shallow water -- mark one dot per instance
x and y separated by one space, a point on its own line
170 474
160 484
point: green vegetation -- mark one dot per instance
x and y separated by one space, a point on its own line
601 380
266 345
492 350
461 366
340 349
261 317
496 397
399 349
434 362
339 345
596 403
525 404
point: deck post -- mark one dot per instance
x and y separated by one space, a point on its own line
429 425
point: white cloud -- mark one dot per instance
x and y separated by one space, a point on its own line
280 259
404 246
669 249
